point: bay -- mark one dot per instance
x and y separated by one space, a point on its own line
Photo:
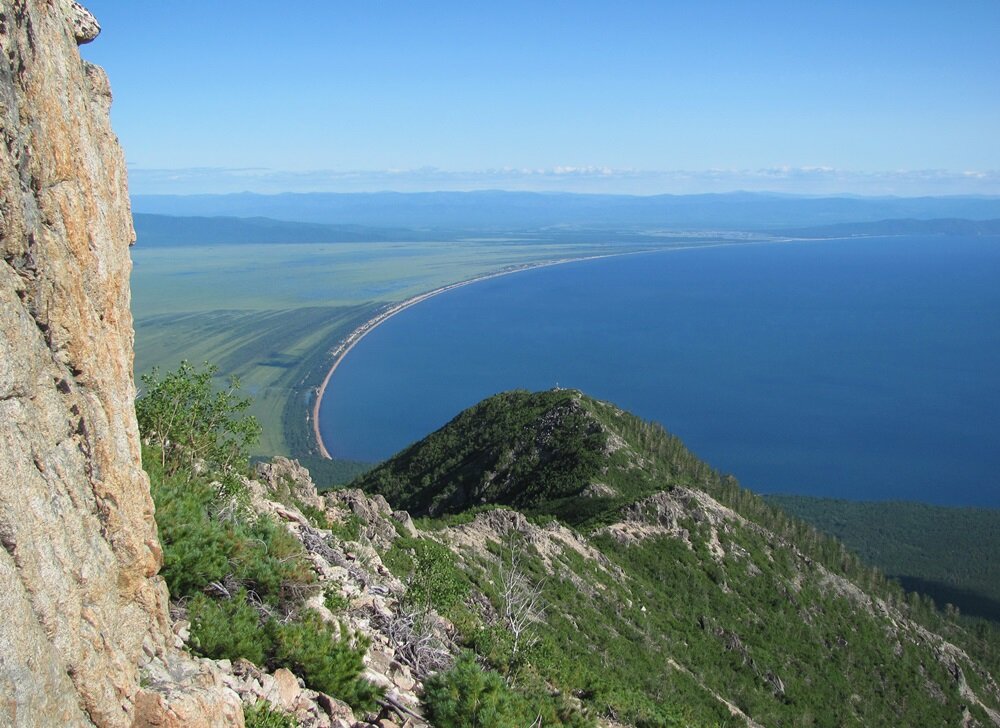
858 368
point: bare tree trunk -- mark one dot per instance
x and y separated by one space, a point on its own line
521 604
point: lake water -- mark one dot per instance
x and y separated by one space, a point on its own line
863 369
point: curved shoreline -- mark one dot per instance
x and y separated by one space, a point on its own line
345 345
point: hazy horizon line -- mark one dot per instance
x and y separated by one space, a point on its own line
784 180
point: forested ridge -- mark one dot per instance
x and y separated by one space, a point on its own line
730 596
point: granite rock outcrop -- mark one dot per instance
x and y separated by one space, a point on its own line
83 606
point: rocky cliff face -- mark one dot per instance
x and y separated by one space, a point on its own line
78 591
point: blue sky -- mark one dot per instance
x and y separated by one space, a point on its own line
815 97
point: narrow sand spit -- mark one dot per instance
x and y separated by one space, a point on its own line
349 342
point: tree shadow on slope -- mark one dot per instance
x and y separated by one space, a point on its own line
969 603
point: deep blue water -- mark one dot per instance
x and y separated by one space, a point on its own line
863 369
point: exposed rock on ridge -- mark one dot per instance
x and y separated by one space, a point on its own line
81 603
401 652
758 619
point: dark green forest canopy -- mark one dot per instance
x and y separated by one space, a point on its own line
556 452
951 554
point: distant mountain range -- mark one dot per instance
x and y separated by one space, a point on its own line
168 230
161 230
909 226
506 211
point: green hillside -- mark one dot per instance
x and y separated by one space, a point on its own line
671 595
554 452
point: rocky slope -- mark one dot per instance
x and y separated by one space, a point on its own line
741 612
82 605
368 598
686 599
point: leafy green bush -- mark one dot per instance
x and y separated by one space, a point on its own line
334 600
191 423
196 548
262 715
233 628
212 542
201 547
349 530
434 579
227 629
317 517
272 562
468 696
494 643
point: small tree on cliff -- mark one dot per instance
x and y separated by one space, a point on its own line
191 423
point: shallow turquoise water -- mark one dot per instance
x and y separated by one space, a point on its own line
860 369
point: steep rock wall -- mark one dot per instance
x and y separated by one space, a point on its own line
78 591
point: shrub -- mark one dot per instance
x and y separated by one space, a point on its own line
232 628
228 629
213 545
196 549
493 642
434 580
190 423
270 561
317 517
334 600
327 663
199 547
262 715
348 530
468 697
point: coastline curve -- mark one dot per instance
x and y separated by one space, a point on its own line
345 345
